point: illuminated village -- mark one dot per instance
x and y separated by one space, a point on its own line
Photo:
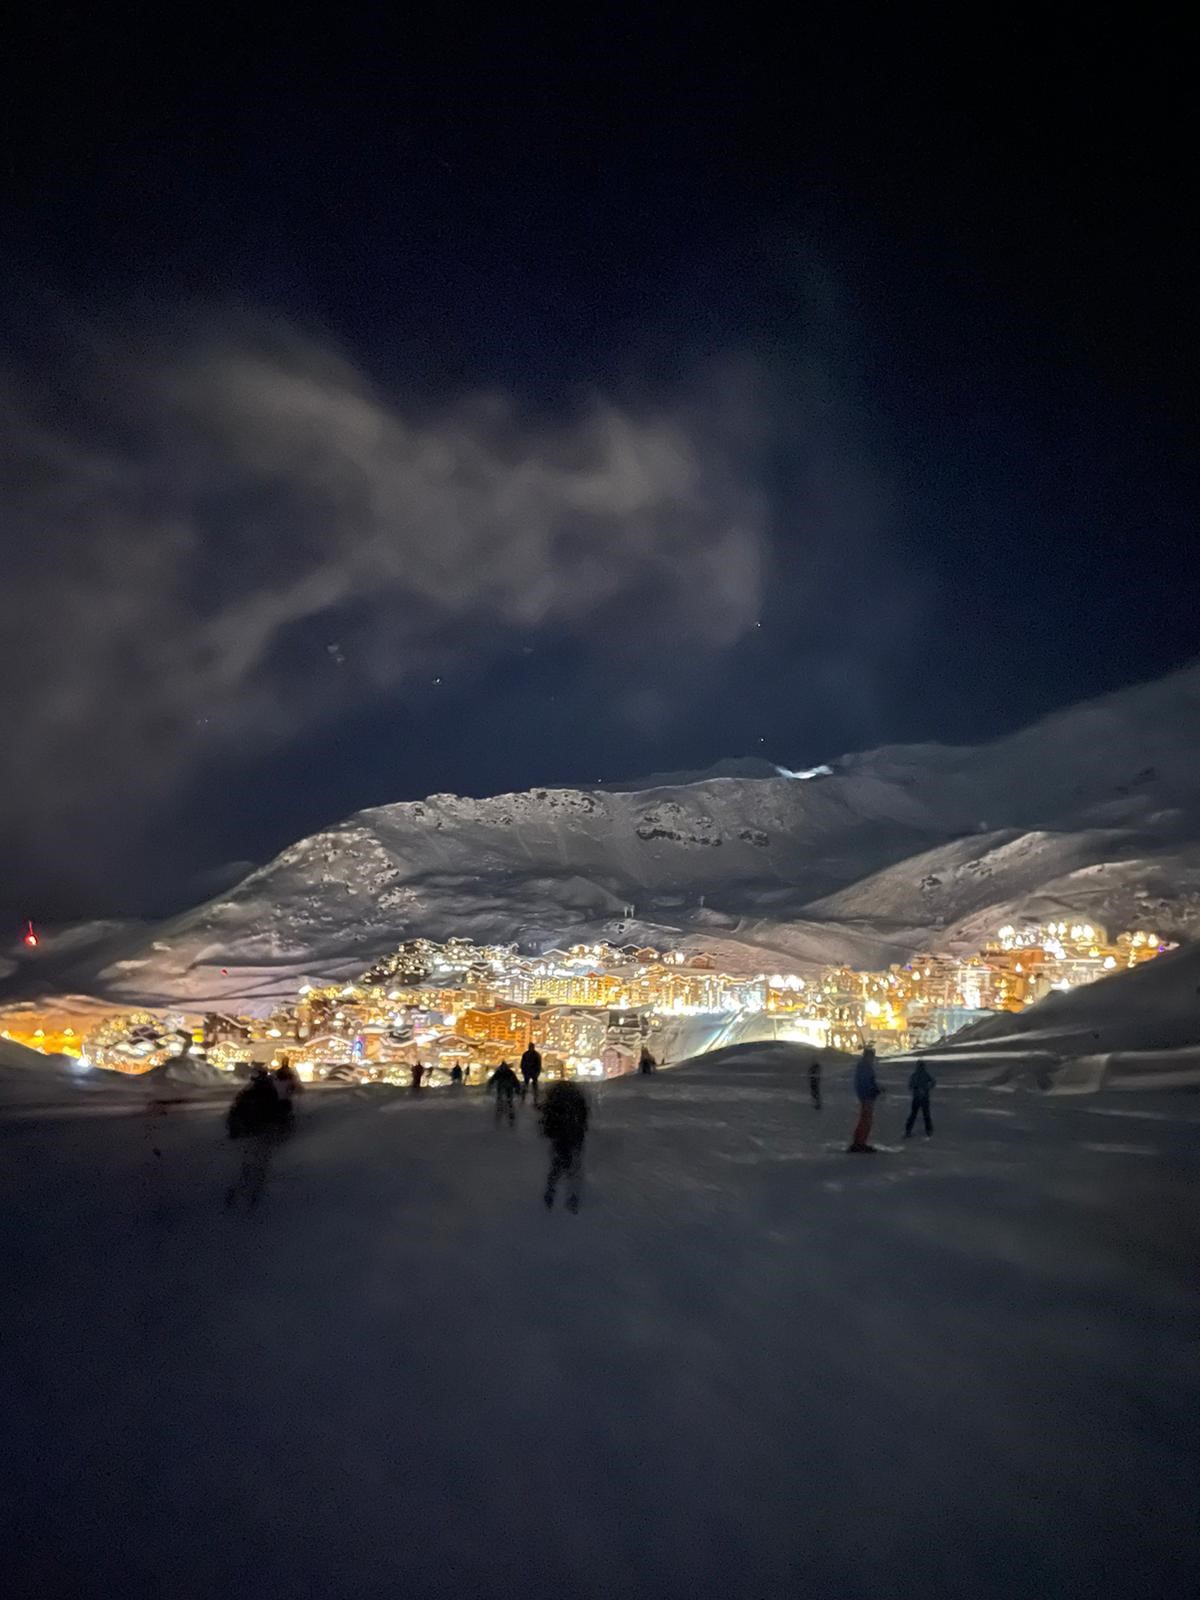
591 1008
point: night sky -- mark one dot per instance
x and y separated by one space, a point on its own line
401 407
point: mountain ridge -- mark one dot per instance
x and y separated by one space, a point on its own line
1093 809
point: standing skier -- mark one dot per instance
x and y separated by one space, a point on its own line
256 1116
503 1084
564 1123
646 1062
418 1072
866 1088
814 1082
531 1070
920 1084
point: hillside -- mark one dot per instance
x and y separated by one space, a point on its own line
1095 810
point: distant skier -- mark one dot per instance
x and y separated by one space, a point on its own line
564 1123
504 1085
456 1076
814 1082
531 1071
646 1062
920 1084
866 1087
418 1072
258 1117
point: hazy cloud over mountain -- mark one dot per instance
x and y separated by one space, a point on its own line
233 537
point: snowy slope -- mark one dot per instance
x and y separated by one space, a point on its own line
1095 810
751 1368
20 1067
29 1078
1137 1029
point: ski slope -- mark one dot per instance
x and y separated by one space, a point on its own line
751 1367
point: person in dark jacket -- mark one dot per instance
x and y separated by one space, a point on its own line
456 1077
920 1084
418 1072
646 1062
531 1071
814 1082
255 1106
257 1117
564 1123
866 1088
504 1085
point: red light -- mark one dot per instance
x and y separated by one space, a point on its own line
31 938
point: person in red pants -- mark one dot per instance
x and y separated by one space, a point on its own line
866 1087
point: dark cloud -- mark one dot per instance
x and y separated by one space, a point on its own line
230 539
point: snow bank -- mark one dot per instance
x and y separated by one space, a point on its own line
1135 1030
1143 1069
189 1072
1152 1007
30 1078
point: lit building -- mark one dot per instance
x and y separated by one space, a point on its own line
220 1028
46 1037
135 1042
508 1025
570 1031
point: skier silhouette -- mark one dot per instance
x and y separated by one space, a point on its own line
258 1117
814 1082
866 1087
564 1123
920 1084
504 1085
531 1071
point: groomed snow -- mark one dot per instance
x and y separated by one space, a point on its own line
751 1367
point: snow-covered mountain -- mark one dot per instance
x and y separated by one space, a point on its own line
1094 810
